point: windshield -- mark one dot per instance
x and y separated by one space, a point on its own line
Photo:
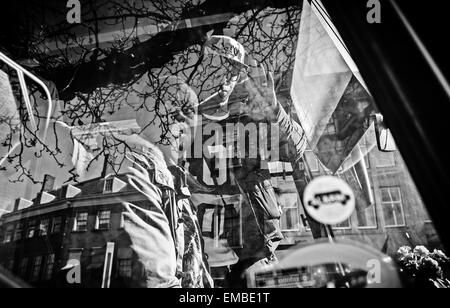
188 133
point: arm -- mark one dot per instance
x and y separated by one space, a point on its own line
149 232
262 92
293 131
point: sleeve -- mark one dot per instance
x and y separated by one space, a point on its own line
151 241
294 132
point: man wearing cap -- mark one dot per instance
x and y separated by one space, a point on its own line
165 236
232 92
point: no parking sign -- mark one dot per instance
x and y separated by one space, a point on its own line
329 200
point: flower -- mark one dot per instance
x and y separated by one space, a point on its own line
429 267
421 251
440 257
404 250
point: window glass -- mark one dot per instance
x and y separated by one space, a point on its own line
80 223
31 231
18 231
8 234
392 207
125 268
23 267
290 217
49 264
366 217
384 159
56 227
43 227
36 268
109 185
312 161
229 114
103 219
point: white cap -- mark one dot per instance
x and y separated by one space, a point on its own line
227 47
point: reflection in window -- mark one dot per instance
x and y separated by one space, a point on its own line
10 265
366 217
312 161
289 217
43 227
18 231
343 226
48 271
384 159
392 206
56 227
103 220
81 222
109 185
97 257
366 214
125 268
8 234
31 229
23 265
36 268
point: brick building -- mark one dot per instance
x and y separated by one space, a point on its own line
75 222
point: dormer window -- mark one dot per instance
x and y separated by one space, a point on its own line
108 185
113 185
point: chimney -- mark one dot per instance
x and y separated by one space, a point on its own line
108 164
48 184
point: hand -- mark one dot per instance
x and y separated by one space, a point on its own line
261 89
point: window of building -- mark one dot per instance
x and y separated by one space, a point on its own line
384 159
31 230
103 220
289 207
97 258
80 223
23 266
365 212
312 161
122 220
391 203
125 268
56 226
10 265
18 231
366 217
43 227
108 185
343 226
49 264
36 268
8 234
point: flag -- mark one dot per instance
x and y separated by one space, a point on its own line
346 127
320 77
331 99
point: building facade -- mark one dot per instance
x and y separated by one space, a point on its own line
72 225
396 217
41 238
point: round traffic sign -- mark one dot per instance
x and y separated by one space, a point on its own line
329 200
